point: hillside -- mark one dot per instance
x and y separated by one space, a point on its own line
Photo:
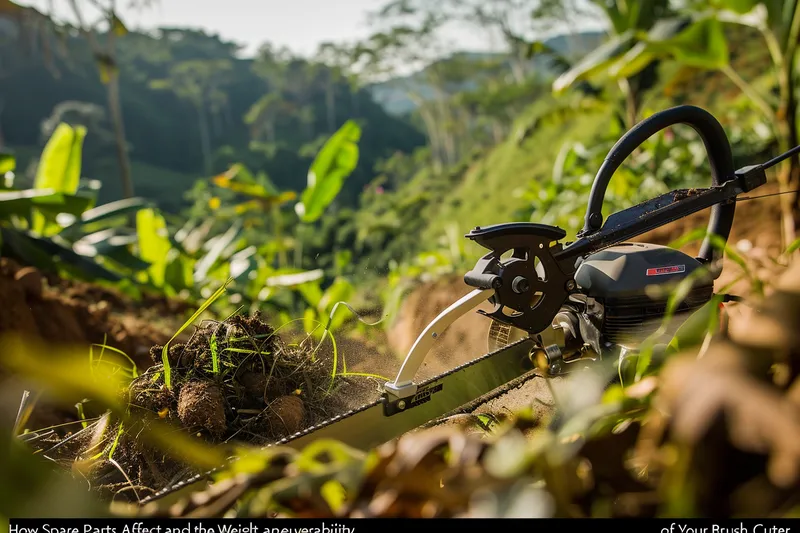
393 94
515 179
163 127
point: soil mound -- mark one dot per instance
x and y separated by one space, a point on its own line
69 311
232 382
238 378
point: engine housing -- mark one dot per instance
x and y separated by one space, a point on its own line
632 282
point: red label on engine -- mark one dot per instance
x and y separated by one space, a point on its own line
659 271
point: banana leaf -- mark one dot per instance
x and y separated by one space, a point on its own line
49 203
47 255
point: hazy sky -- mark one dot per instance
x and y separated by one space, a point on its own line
299 24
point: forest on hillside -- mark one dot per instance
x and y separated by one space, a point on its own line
225 250
191 108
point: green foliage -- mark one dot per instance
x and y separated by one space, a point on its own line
153 243
668 160
163 125
337 160
626 23
701 44
245 244
55 225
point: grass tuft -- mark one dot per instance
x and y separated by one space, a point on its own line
165 350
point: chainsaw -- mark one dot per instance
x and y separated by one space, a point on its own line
557 305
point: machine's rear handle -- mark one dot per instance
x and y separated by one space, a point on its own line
720 157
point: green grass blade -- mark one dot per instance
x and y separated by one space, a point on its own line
116 441
103 347
335 358
247 351
214 353
81 414
195 316
792 247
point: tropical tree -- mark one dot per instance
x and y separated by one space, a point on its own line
625 20
386 52
336 60
198 81
696 37
102 37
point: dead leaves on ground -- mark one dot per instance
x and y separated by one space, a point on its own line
723 438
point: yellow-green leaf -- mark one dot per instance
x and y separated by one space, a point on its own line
7 163
334 163
59 170
118 26
334 494
154 244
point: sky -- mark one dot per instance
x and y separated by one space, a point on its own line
300 25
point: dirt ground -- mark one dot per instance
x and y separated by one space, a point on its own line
71 311
61 311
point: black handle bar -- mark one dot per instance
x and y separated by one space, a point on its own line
718 149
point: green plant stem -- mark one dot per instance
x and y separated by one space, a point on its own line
751 93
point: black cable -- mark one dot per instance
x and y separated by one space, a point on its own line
786 155
731 298
764 195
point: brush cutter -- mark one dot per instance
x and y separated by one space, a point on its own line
559 306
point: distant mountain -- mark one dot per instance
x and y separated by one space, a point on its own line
392 95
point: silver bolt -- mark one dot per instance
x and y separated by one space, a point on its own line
401 404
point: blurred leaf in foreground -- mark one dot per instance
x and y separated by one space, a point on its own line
736 404
66 374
